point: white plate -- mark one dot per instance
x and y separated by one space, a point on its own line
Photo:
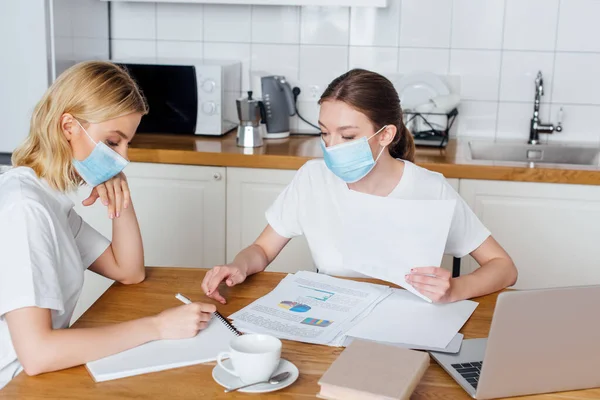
227 380
418 88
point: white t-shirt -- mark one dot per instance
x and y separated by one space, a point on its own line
45 248
308 207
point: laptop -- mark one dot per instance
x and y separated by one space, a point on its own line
540 341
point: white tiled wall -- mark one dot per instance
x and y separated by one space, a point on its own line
495 46
80 31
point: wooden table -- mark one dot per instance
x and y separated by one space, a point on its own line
122 303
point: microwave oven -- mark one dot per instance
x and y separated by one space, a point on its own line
187 96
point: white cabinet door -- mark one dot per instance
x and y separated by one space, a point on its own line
181 211
250 192
550 230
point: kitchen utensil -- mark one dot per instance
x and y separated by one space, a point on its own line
250 130
275 380
279 104
418 88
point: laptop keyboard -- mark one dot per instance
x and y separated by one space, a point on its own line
469 371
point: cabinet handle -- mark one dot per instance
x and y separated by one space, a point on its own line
217 176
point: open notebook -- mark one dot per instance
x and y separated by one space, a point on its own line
166 354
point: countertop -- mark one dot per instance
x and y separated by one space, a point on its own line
291 153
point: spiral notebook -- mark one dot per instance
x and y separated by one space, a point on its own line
161 355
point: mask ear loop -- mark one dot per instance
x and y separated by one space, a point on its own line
375 134
88 135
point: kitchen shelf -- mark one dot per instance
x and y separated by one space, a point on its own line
328 3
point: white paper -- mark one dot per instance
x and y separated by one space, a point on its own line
385 237
161 355
452 348
310 307
403 318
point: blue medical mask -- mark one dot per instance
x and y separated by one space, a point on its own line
102 164
351 161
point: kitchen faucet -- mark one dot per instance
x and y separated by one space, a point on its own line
537 126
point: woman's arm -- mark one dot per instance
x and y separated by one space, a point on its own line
254 258
123 260
43 349
496 272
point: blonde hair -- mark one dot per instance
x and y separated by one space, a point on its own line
92 91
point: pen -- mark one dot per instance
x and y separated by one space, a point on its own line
183 299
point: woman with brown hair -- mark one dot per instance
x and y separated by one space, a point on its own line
361 118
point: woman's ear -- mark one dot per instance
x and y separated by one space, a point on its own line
68 125
387 135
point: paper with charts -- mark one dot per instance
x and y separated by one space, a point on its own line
310 307
385 237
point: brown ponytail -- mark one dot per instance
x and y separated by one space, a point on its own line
375 96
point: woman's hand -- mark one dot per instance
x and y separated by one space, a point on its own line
184 321
114 194
432 282
231 274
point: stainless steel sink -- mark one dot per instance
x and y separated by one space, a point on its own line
540 153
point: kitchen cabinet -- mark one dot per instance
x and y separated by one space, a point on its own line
550 230
181 212
328 3
250 192
180 209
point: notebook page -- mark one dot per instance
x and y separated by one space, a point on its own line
161 355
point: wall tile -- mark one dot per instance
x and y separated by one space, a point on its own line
479 71
430 60
370 26
133 20
519 70
325 25
578 27
530 24
278 59
514 119
231 51
426 23
477 119
312 60
123 49
477 24
378 59
578 124
176 49
179 21
227 23
90 49
576 78
85 26
275 24
310 111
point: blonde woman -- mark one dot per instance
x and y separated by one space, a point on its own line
80 131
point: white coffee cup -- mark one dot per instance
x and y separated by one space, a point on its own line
254 357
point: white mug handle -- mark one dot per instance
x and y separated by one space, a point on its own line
220 357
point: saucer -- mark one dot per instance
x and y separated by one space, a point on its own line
227 380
